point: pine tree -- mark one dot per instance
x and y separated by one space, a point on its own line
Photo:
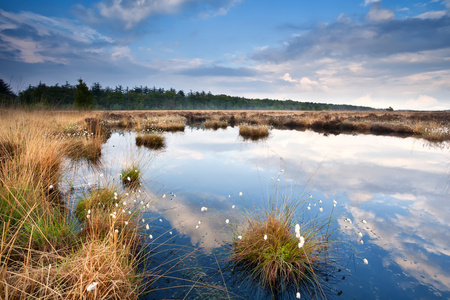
83 98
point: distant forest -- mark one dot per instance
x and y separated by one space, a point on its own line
145 98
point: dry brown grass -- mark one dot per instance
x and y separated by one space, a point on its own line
150 140
42 254
253 132
433 126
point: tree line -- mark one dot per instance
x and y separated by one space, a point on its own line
144 98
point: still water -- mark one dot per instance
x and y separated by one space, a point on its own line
398 186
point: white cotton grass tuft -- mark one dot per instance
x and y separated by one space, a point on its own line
364 221
298 296
227 221
92 287
147 227
360 234
265 237
233 206
240 193
297 228
365 261
204 208
150 236
321 209
301 242
240 237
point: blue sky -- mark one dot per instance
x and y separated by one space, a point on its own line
361 52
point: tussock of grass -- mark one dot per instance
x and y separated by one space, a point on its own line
84 148
131 176
150 140
253 132
102 198
215 124
266 250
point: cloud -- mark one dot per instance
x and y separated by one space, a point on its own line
129 13
432 14
33 38
377 14
369 2
423 102
345 40
287 77
214 70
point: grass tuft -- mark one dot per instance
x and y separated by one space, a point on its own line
151 140
215 124
131 176
269 251
253 132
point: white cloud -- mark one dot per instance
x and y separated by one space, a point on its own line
33 38
422 102
432 14
132 12
308 84
287 77
368 2
377 14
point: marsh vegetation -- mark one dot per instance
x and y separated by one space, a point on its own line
60 239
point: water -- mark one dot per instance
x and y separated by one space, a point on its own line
400 187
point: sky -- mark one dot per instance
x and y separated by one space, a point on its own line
360 52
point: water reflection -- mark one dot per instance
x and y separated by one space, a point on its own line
398 186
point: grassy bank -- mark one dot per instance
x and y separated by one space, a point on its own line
44 252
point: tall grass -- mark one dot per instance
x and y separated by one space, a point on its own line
44 253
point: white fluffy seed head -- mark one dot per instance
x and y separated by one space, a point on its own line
92 287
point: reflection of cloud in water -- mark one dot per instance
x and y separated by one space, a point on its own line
414 243
399 187
184 215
